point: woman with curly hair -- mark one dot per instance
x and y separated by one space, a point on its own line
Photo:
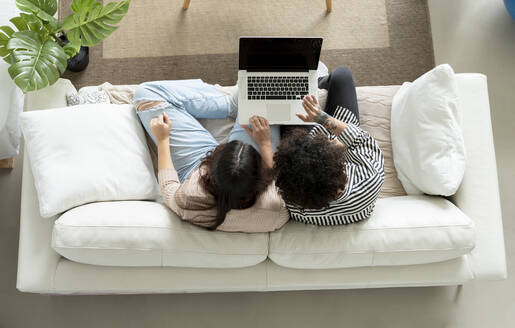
226 187
332 174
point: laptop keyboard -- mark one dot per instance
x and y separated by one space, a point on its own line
276 87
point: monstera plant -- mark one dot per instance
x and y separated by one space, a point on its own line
37 46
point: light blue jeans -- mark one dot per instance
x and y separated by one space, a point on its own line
185 102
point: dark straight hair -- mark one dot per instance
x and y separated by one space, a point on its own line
235 175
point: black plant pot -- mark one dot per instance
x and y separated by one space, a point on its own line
80 61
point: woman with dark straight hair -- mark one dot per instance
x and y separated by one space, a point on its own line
235 175
228 186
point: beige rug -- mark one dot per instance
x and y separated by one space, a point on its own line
382 41
214 26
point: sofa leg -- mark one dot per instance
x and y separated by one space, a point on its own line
329 4
186 4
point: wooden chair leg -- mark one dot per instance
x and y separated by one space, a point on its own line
7 163
329 4
186 4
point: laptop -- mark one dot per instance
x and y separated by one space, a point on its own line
274 74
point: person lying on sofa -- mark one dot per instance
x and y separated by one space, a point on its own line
332 174
227 187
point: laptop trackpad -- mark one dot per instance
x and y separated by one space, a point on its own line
278 112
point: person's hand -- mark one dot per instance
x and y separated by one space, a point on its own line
315 114
260 132
313 111
160 127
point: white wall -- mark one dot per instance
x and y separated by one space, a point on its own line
7 11
9 134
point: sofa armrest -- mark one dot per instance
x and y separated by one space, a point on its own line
478 195
37 261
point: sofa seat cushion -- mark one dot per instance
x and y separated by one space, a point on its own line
145 233
402 230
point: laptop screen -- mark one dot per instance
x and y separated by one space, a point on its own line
262 54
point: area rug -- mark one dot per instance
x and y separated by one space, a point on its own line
383 42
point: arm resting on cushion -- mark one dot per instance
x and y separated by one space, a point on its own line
167 175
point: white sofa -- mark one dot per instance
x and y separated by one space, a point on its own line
282 260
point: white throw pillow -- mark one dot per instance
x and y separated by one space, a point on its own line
87 97
427 139
87 153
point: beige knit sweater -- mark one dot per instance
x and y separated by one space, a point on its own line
192 203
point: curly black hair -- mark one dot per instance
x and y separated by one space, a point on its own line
309 170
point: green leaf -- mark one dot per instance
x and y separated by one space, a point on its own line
8 31
20 23
37 63
5 35
43 12
35 24
71 48
34 6
38 25
92 23
78 4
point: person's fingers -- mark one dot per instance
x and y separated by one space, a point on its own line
304 118
263 121
305 103
314 107
310 108
257 123
246 127
166 119
306 108
249 131
252 122
308 102
314 99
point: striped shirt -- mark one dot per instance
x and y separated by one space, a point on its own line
365 175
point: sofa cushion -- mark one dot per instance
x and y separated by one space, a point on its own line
401 230
142 233
427 139
87 153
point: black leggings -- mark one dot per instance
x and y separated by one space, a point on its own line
341 91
